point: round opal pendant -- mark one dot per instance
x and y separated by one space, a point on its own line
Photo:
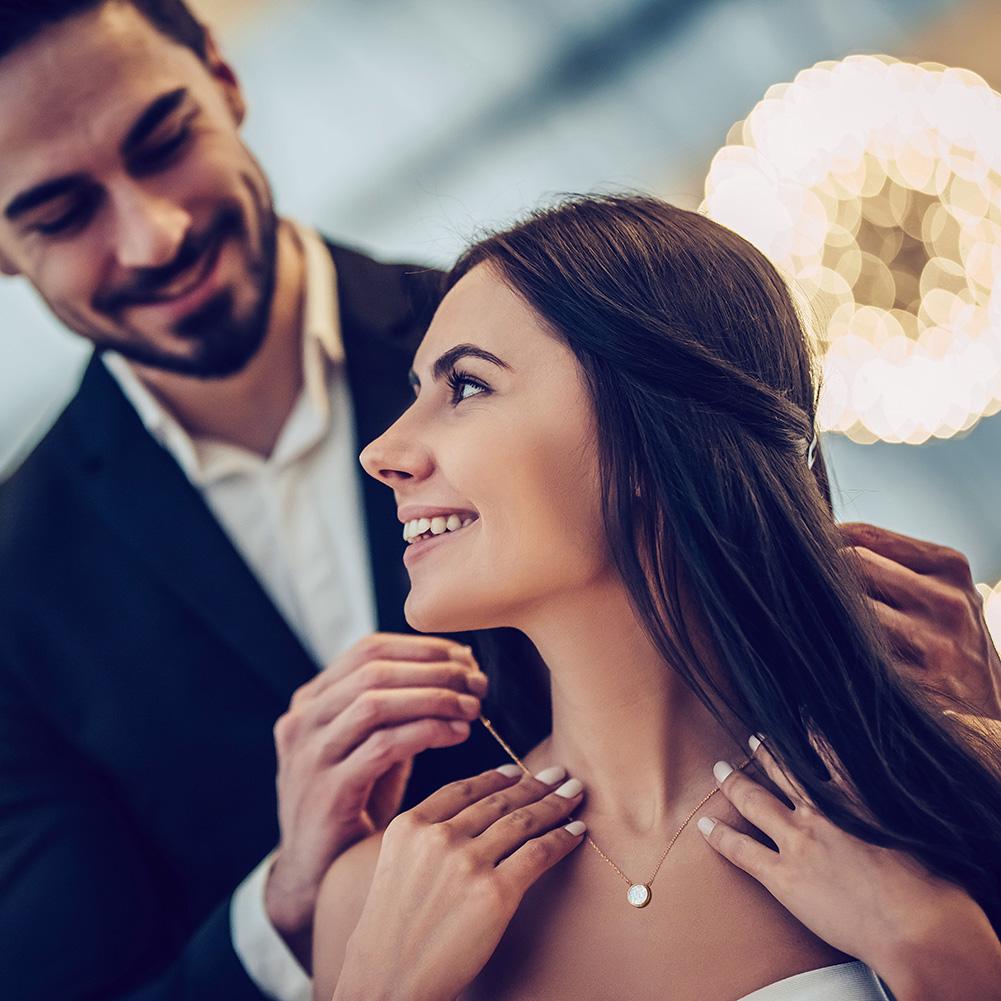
639 894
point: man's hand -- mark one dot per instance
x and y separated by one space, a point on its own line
924 596
345 752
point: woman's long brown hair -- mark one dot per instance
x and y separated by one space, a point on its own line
702 385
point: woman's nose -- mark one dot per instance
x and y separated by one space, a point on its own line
392 460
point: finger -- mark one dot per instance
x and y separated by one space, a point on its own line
787 783
839 778
387 793
390 646
901 633
379 675
753 801
374 710
916 554
472 805
353 777
526 865
740 849
444 803
508 834
888 581
476 817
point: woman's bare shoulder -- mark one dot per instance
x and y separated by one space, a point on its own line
338 907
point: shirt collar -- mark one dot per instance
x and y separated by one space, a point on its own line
322 347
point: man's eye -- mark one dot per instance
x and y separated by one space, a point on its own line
75 217
459 382
158 156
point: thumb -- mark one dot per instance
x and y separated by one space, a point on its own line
387 793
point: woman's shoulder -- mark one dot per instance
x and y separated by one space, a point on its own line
338 907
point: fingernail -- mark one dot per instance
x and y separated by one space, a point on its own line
510 770
469 704
570 788
706 825
477 683
551 774
575 827
458 726
754 742
721 769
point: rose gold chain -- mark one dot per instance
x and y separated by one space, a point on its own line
705 799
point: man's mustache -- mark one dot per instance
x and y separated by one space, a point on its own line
146 284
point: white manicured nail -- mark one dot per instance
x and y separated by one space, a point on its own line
510 770
551 774
753 742
706 825
570 788
575 827
721 769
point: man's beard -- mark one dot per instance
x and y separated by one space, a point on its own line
225 342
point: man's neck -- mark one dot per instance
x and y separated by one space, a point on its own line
250 408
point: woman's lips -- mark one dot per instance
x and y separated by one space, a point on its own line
415 550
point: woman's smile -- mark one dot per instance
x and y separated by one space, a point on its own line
423 525
421 543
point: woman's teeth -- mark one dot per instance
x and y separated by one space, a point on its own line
420 528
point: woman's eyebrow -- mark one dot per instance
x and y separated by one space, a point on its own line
446 362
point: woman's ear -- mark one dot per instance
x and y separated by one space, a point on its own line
226 78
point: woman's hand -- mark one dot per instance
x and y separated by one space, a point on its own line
877 904
450 876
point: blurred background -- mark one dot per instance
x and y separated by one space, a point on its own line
404 128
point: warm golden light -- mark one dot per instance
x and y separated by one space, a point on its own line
992 609
875 185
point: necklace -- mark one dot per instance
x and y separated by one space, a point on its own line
638 894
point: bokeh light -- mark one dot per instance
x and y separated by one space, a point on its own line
875 186
992 609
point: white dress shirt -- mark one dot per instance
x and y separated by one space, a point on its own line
297 518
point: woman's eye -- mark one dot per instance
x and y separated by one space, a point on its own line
464 386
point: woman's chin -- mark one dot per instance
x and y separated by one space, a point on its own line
439 617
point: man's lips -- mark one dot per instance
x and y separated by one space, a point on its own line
190 290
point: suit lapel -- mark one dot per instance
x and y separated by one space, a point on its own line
385 310
147 500
144 496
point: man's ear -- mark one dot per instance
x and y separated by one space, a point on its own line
226 78
7 266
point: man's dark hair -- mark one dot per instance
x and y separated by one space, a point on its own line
22 20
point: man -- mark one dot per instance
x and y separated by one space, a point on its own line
194 537
192 540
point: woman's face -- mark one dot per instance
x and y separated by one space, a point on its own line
500 437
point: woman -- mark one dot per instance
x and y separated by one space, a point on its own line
613 427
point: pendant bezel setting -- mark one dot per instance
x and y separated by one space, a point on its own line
639 894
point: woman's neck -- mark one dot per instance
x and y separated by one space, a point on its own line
623 721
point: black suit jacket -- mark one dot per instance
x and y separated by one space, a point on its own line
142 668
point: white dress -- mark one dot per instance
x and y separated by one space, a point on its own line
845 982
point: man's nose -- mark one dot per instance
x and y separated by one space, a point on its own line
150 229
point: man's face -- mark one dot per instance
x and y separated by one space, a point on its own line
127 197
